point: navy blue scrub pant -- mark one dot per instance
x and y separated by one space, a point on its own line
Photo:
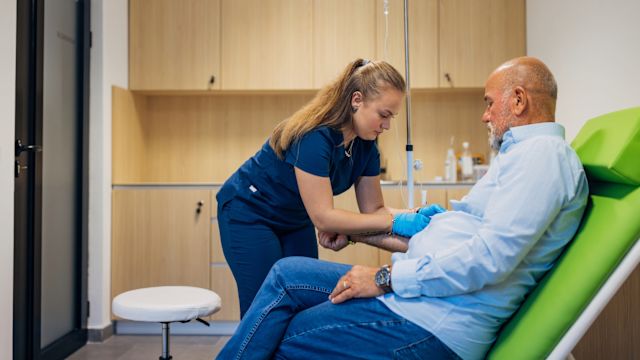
251 246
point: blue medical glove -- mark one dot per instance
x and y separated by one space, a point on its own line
431 210
408 224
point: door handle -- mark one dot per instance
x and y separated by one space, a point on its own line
20 148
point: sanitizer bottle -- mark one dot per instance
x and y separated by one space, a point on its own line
451 165
466 163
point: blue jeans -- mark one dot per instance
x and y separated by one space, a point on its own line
252 246
292 318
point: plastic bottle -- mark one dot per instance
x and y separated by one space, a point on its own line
450 165
466 163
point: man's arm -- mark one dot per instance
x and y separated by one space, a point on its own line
389 242
336 242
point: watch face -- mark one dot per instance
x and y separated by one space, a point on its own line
382 277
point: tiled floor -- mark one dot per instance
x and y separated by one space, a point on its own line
133 347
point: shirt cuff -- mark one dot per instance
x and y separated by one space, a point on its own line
404 279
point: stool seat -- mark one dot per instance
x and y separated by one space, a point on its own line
166 304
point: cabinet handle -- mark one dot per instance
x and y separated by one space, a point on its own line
199 208
448 78
212 80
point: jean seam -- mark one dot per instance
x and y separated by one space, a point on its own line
431 336
407 346
369 323
267 309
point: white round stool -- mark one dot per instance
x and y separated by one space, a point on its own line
166 304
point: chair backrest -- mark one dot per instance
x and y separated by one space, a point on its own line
609 148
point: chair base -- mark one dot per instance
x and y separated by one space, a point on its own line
165 342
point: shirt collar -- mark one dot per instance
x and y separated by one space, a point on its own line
520 133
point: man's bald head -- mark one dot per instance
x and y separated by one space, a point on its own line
535 77
519 92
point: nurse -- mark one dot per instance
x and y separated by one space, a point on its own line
268 208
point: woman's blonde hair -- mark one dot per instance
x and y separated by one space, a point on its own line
332 104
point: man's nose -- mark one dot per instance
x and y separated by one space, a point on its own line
386 124
485 117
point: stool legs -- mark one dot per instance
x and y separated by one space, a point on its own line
165 342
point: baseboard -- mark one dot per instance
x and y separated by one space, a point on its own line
125 327
100 335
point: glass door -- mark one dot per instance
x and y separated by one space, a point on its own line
51 178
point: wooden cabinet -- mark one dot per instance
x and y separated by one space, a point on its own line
342 32
160 237
223 283
267 44
452 43
476 36
174 45
423 39
304 44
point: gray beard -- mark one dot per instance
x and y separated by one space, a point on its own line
494 142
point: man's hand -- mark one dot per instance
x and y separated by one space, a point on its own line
359 282
332 241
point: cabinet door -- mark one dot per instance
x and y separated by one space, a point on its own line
423 39
476 36
223 284
342 32
174 45
160 237
266 44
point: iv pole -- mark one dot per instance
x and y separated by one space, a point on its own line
409 146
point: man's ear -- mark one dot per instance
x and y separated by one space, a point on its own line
356 99
519 102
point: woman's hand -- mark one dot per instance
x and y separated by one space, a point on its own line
431 210
359 282
332 241
408 224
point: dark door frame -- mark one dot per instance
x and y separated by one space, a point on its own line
28 238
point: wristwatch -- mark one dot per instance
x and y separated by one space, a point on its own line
383 278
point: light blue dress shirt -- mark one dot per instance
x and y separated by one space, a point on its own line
466 273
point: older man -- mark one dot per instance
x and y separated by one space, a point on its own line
454 284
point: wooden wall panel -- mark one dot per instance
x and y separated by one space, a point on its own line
436 117
128 136
194 139
615 333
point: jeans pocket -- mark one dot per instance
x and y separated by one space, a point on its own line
428 348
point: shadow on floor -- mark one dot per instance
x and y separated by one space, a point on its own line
134 347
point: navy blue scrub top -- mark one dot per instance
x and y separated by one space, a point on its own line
266 186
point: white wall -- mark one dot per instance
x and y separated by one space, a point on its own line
593 48
7 135
109 67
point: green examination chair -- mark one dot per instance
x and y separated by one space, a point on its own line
602 255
